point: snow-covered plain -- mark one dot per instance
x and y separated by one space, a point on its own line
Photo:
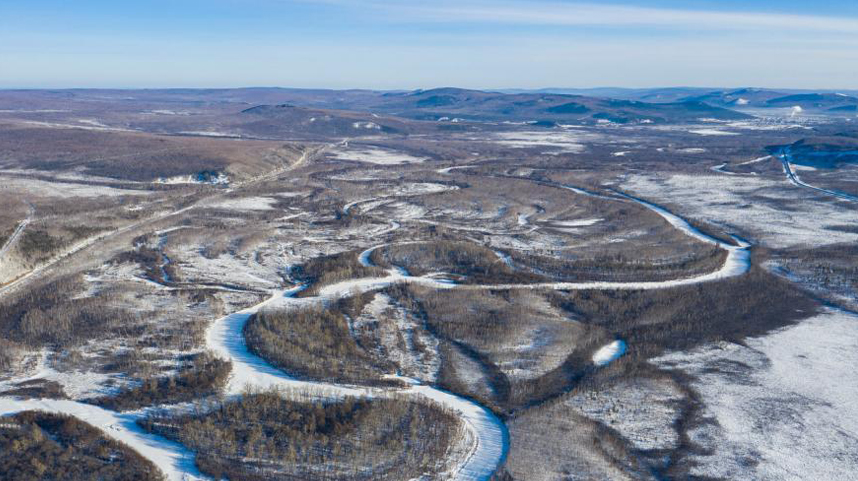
86 124
63 190
766 414
226 338
576 223
567 141
725 200
372 155
643 410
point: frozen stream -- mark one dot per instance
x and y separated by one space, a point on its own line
737 263
225 337
786 160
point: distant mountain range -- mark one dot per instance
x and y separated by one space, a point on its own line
270 112
826 151
668 105
742 98
460 105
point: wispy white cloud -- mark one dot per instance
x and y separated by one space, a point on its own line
555 13
405 44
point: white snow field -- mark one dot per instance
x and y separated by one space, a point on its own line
221 179
723 200
560 142
76 384
374 156
37 187
643 410
770 416
447 170
576 223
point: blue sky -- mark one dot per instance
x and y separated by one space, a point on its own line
392 44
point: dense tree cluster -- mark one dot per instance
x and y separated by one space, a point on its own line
478 264
314 343
264 436
41 446
153 262
38 244
9 354
203 376
106 154
831 271
47 314
321 271
4 236
481 265
684 317
619 267
36 388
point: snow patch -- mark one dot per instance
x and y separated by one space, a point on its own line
609 353
208 133
576 223
366 125
246 203
220 179
712 132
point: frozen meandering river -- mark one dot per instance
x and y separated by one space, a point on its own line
488 434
